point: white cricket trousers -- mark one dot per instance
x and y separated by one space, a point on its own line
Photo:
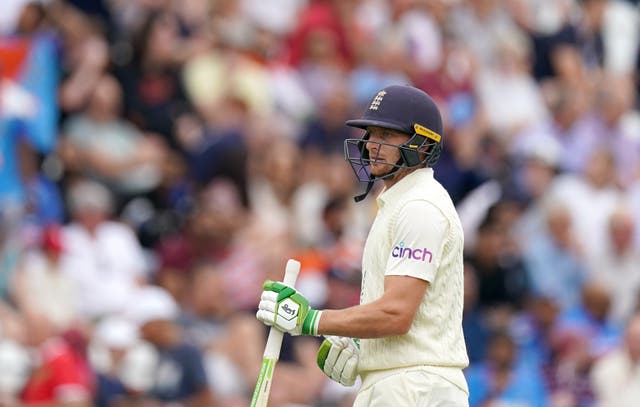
411 387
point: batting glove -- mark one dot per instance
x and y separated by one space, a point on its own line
286 309
338 358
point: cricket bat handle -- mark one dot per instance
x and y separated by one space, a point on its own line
274 341
272 349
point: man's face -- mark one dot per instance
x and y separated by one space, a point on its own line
160 332
382 156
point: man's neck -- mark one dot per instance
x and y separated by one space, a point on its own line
391 181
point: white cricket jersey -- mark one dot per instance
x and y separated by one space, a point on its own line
417 233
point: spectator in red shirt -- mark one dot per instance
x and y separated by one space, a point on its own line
61 377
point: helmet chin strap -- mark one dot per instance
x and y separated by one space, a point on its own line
361 197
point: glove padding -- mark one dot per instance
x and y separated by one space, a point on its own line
338 358
287 310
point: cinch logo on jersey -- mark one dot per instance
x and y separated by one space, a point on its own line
409 253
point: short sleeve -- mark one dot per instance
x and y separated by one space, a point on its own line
418 239
69 379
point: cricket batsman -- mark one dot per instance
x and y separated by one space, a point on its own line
405 337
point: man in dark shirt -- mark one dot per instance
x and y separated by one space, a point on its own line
180 378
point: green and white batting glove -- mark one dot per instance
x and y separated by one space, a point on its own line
286 309
338 358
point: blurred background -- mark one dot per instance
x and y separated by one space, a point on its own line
159 159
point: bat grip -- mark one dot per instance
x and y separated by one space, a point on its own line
274 341
291 272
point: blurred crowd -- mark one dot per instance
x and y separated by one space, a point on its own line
162 158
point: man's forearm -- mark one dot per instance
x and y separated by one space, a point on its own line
365 321
390 315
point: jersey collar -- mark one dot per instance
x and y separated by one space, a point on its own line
390 195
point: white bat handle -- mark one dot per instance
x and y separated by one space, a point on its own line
291 271
274 341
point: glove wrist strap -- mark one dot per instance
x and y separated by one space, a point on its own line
311 322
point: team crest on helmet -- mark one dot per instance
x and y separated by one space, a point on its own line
375 103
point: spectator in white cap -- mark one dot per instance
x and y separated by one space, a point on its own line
124 364
180 376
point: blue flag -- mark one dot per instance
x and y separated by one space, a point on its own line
29 74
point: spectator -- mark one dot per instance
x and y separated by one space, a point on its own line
153 94
568 370
123 363
535 172
567 126
591 198
589 35
231 340
325 133
620 39
102 257
502 276
533 330
616 376
86 56
554 259
408 35
508 95
615 266
62 375
481 24
221 151
377 69
180 376
99 144
609 125
41 288
273 190
588 321
503 378
320 19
